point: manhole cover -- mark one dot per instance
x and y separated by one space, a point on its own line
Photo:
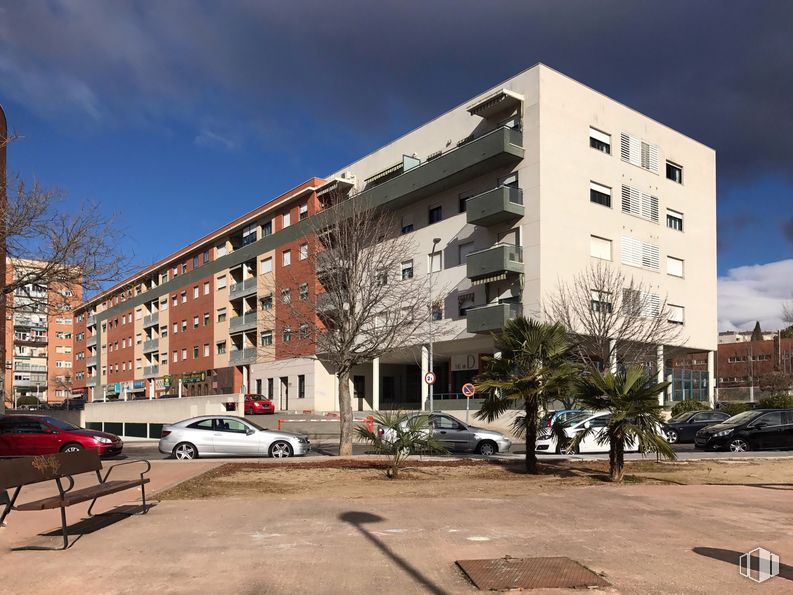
529 573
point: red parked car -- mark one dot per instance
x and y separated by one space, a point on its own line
258 404
27 435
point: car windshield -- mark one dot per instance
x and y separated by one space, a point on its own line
60 424
741 418
576 418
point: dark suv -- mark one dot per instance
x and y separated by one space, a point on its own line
759 429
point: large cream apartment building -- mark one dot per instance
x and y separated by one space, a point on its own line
506 196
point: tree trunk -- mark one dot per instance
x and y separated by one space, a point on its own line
345 411
531 435
616 459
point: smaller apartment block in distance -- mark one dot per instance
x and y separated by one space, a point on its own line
39 339
523 186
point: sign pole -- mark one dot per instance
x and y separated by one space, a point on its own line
467 404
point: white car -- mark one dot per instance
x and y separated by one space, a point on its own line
225 435
546 441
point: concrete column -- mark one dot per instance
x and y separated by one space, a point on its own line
613 356
376 384
425 367
711 379
659 365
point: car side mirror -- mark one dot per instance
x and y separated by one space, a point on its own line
248 432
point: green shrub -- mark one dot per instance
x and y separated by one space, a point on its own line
734 408
683 406
27 401
777 402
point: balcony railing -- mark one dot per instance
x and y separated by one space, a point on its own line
243 323
34 339
491 318
26 367
90 341
242 356
489 264
498 205
151 345
91 320
242 289
151 320
91 361
149 371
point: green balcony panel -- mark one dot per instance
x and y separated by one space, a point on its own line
489 319
498 205
493 262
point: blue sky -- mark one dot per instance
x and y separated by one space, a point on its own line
200 111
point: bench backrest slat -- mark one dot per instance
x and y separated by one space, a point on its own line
27 470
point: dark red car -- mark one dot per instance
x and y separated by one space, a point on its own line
27 435
258 404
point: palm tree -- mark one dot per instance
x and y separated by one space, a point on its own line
631 398
533 363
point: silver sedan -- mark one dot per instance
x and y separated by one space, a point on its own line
227 436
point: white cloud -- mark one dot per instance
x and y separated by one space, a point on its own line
756 292
208 138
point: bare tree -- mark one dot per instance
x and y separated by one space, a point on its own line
613 317
787 312
364 306
61 382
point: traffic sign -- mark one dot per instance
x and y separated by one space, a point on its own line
429 377
468 390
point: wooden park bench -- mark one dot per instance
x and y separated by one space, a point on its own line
61 468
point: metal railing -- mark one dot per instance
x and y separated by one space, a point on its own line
242 288
151 319
244 322
151 370
151 345
242 356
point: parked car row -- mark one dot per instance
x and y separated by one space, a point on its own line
457 436
29 435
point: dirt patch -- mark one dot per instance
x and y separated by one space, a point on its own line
365 477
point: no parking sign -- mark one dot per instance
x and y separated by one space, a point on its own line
469 390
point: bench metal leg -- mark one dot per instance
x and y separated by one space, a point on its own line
63 528
9 504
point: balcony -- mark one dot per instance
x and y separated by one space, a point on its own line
26 367
92 380
39 380
495 263
91 320
30 339
242 289
28 322
491 318
151 320
90 341
239 357
149 371
246 322
151 345
91 361
498 205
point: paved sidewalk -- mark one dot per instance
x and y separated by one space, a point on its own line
650 539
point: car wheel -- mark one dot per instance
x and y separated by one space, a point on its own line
672 437
487 448
72 447
569 450
281 450
739 445
184 451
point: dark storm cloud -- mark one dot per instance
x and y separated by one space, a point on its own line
718 71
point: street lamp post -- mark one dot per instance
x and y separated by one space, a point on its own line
435 242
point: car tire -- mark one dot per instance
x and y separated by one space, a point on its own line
672 437
738 445
184 451
72 447
281 450
487 448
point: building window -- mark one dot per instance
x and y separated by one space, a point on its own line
301 386
220 347
175 299
286 258
303 251
676 314
184 297
267 302
220 251
163 277
206 287
674 266
463 201
266 338
435 214
175 356
674 172
267 229
221 314
303 291
600 194
195 352
175 327
600 141
184 268
196 292
674 220
599 248
206 318
196 322
303 331
435 262
206 256
601 301
248 235
636 253
407 269
270 391
437 311
221 284
267 265
195 262
287 335
286 220
637 152
286 296
639 204
184 354
206 349
303 211
184 326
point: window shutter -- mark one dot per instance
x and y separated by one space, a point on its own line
674 266
601 136
651 256
637 152
600 248
676 314
649 207
599 188
631 251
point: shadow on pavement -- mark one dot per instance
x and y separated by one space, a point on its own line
358 519
731 557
